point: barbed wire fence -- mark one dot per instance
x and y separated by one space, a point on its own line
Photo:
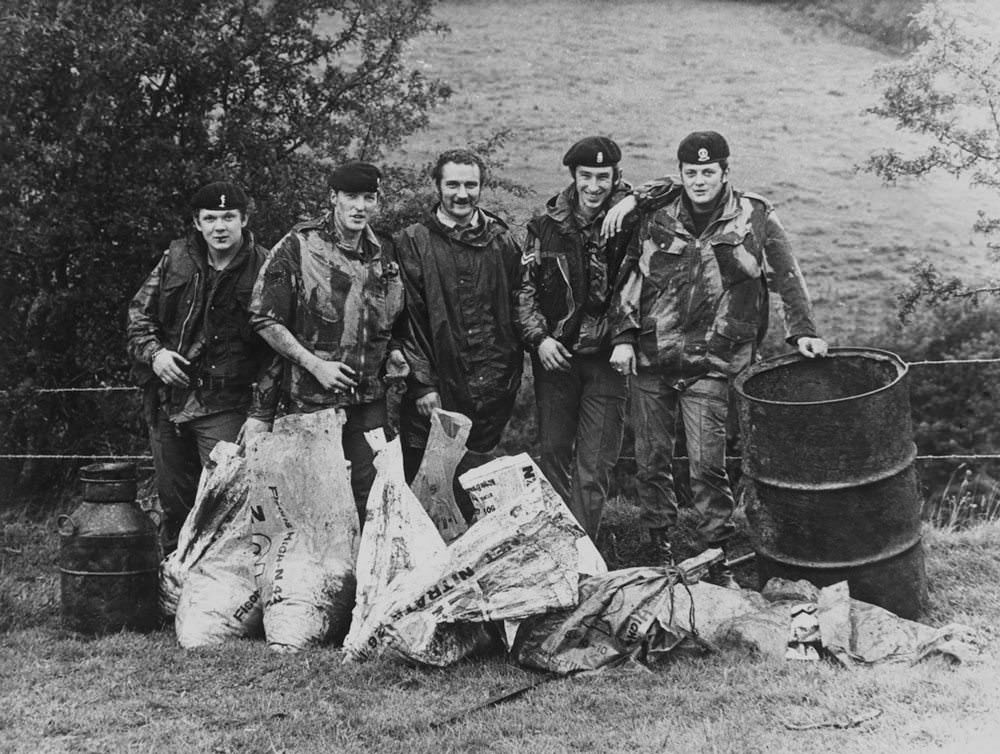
148 458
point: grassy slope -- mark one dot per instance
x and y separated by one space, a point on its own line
788 95
142 692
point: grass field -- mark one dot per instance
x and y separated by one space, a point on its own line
141 692
790 98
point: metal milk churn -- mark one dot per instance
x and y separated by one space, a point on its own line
109 555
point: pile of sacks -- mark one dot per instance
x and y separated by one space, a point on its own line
272 547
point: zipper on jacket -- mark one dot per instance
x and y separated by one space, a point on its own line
184 324
363 325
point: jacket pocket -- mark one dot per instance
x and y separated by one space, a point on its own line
730 341
664 257
735 257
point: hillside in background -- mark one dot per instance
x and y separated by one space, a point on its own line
787 89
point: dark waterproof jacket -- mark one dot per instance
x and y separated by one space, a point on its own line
341 305
460 339
176 308
567 278
697 306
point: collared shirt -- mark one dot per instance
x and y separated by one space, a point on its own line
445 219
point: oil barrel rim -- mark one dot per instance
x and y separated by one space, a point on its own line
794 358
836 565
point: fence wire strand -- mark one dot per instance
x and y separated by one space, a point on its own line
132 388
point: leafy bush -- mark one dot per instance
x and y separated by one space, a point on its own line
115 111
956 408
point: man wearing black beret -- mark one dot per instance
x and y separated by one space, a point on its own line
192 347
327 300
691 314
568 273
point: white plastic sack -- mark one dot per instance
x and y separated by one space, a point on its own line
220 600
305 529
399 537
208 581
221 498
433 483
517 561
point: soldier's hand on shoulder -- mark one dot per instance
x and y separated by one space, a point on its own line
427 403
615 217
555 357
812 347
334 375
169 367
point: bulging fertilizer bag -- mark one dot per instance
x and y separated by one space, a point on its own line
433 483
305 530
517 561
220 501
207 582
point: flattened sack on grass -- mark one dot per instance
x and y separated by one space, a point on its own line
433 483
305 529
517 561
633 613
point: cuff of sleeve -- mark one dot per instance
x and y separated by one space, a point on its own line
627 338
419 390
261 414
793 340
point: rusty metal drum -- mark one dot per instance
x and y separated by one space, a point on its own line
109 555
830 483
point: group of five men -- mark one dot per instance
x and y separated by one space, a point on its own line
658 293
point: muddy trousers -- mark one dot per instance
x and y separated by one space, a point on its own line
703 407
179 453
581 421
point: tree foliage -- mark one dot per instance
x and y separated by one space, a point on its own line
956 407
947 89
112 112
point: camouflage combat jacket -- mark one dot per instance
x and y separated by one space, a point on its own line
699 306
460 338
568 272
341 305
204 316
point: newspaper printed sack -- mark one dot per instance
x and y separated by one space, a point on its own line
305 530
433 483
399 537
520 560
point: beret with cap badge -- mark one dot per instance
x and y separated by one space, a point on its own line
218 196
593 151
702 147
356 177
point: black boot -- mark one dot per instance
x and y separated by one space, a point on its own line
721 574
661 545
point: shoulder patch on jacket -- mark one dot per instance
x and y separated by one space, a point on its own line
757 198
